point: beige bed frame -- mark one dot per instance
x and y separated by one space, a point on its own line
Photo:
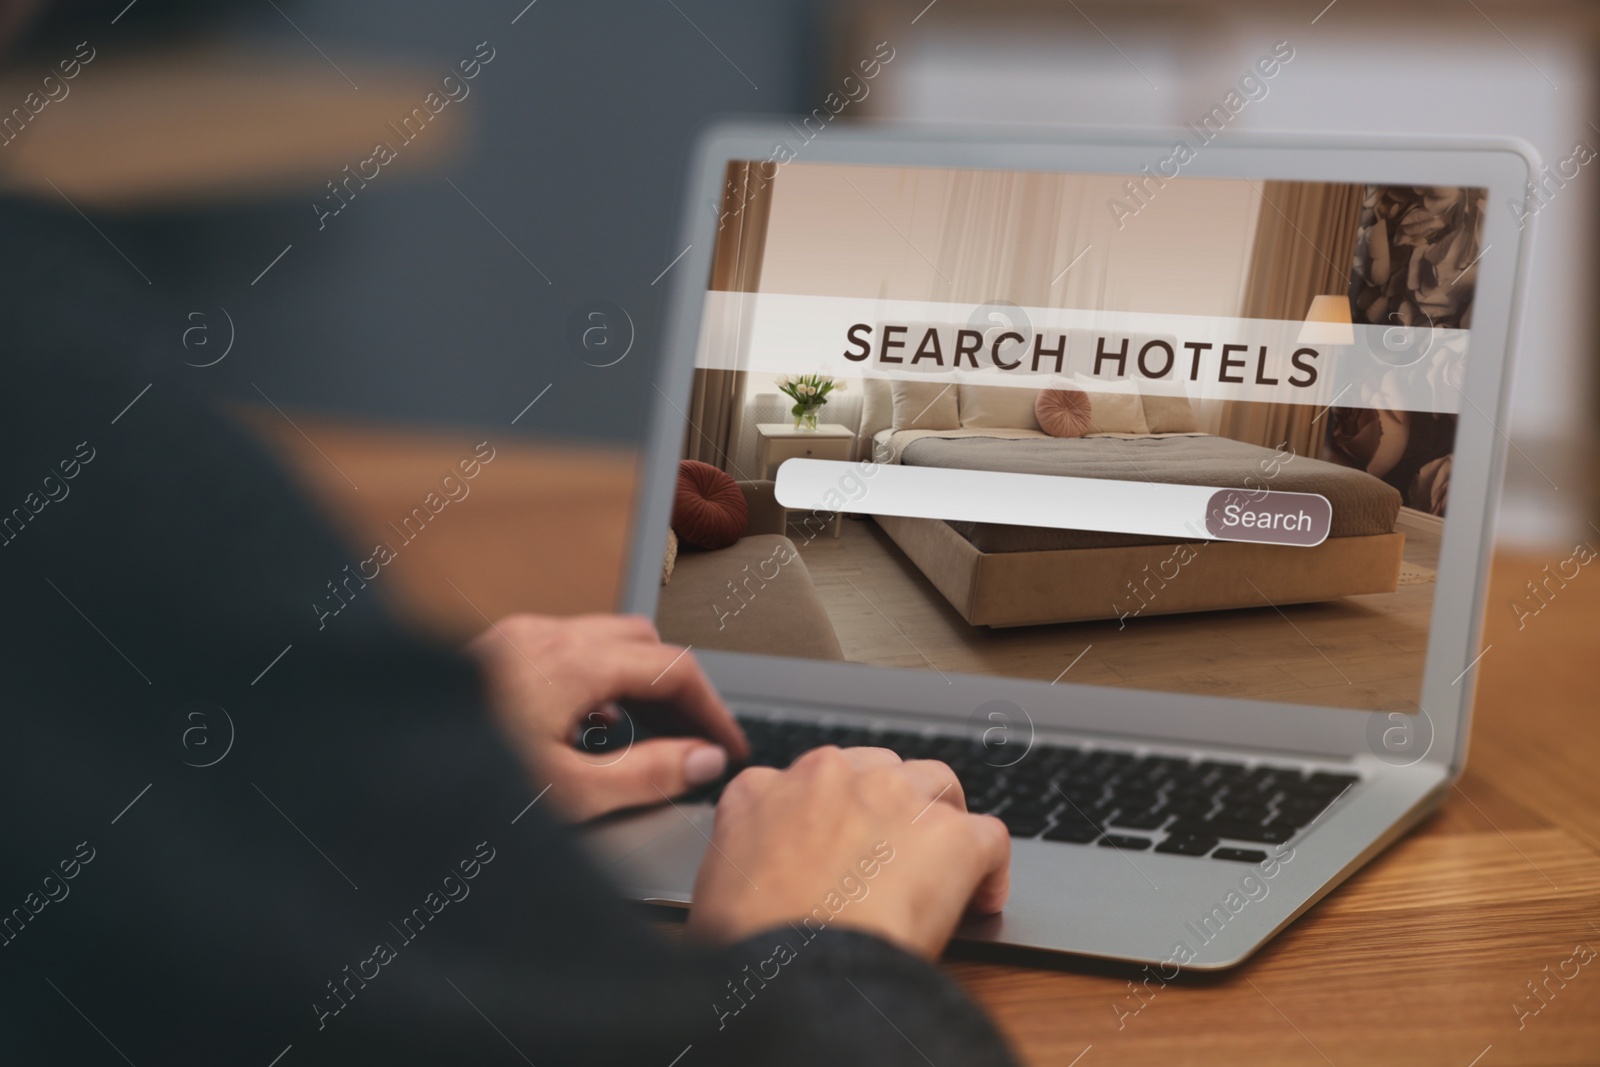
1002 589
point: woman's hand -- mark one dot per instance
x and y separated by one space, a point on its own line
850 837
547 678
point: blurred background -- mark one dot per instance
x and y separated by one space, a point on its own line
218 150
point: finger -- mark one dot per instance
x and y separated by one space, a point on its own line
864 757
750 783
745 790
623 627
860 758
665 672
993 853
937 782
523 631
648 772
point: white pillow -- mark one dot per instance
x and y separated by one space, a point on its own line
993 407
1116 407
925 405
877 409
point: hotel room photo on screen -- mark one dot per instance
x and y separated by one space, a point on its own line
1204 426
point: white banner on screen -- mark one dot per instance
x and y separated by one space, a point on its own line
1397 368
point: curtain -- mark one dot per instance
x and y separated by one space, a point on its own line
716 405
1304 247
999 239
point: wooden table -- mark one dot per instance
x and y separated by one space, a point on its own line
1419 959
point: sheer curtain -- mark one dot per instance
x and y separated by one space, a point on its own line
1007 237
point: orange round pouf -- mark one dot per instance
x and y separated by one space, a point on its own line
1063 412
709 510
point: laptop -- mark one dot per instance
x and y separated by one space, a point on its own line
1151 487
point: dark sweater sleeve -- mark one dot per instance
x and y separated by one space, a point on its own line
840 996
236 828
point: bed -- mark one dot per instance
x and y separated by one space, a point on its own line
1000 576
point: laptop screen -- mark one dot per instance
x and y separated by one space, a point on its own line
1143 430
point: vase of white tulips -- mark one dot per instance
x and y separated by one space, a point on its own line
809 393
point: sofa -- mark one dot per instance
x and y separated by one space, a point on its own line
756 595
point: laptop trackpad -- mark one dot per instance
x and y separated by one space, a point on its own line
653 855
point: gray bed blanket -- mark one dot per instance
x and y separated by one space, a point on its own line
1362 504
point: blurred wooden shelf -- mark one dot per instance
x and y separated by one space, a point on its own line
1419 959
202 124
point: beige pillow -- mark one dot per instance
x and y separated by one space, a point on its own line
925 405
877 411
993 407
1170 414
670 557
1114 407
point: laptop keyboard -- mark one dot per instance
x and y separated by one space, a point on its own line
1103 797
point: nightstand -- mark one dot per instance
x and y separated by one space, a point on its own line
779 441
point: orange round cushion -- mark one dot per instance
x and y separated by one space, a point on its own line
709 510
1063 412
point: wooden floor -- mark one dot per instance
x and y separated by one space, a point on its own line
1428 956
1362 652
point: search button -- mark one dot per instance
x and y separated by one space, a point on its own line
1269 518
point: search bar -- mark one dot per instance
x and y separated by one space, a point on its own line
1157 509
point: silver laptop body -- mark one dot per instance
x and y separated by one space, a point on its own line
1140 906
